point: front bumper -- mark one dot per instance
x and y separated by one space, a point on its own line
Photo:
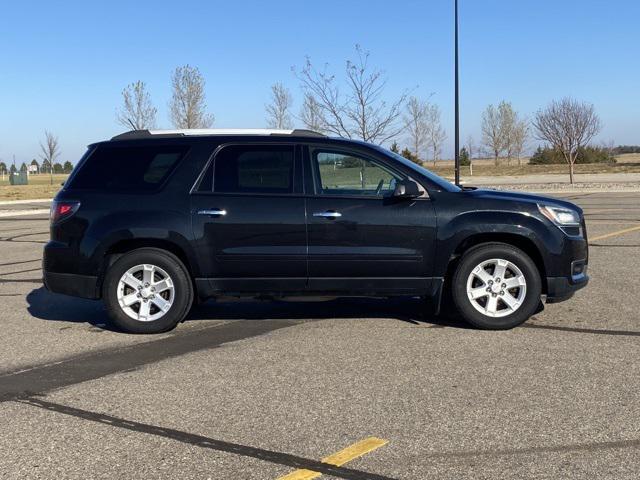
563 288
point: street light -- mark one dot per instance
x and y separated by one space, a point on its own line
457 102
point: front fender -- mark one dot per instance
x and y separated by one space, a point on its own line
493 224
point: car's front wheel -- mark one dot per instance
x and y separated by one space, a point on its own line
496 286
147 291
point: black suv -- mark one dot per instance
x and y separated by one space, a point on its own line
152 221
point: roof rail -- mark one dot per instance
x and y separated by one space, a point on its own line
133 134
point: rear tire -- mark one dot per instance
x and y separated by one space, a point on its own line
496 286
147 290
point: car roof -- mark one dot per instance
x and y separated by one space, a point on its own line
208 132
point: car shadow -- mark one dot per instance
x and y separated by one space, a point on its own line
45 305
49 306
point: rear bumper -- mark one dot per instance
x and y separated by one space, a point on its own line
562 288
83 286
60 267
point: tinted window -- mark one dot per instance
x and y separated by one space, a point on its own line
347 174
127 168
254 169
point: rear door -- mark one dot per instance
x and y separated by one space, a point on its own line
249 219
361 239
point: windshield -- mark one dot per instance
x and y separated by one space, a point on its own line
439 181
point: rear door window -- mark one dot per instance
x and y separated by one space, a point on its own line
131 168
254 169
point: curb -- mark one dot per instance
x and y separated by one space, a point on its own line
22 213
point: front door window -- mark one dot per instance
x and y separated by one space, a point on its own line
349 174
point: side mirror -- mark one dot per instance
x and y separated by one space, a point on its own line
406 189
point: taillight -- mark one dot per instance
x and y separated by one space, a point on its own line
62 210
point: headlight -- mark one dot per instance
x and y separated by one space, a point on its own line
560 216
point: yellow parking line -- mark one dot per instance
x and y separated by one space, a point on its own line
614 234
602 210
339 458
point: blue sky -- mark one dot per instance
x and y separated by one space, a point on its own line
64 64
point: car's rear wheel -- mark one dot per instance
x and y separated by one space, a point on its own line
496 286
147 291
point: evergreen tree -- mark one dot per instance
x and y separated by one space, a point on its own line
406 153
465 161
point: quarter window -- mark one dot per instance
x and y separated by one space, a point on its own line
134 169
349 174
254 169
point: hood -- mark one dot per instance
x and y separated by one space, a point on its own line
521 197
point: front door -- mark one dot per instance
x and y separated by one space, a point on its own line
361 239
248 220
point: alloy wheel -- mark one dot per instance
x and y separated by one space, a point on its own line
145 292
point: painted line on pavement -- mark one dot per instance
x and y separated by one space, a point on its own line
339 458
614 234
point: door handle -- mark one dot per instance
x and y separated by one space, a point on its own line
328 214
214 212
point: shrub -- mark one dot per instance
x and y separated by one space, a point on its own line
406 153
626 149
465 161
549 156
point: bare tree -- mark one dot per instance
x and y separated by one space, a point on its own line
137 111
363 113
492 131
471 148
519 138
188 106
609 146
311 114
567 125
491 135
436 135
50 151
278 111
415 122
508 120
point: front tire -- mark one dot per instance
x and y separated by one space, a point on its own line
147 290
496 286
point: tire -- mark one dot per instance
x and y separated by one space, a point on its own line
147 290
499 307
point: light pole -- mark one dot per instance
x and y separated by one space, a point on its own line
457 102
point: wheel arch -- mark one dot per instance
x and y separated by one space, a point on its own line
519 241
121 247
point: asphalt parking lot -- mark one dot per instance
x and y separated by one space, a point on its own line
269 390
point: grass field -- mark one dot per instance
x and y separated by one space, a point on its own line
628 163
39 187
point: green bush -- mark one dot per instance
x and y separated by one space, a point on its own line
549 156
465 161
406 153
